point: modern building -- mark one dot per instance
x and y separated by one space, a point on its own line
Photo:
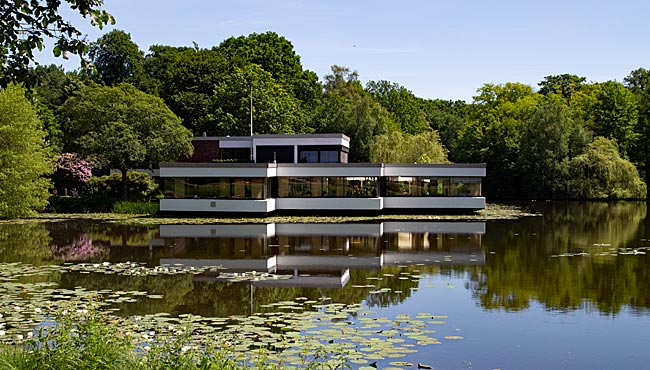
310 173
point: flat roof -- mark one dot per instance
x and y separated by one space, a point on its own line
324 165
272 136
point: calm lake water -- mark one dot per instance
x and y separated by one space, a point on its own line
568 289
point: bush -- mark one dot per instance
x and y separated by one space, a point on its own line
140 186
82 204
138 208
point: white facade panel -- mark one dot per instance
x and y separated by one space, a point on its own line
261 141
434 202
341 204
218 205
425 171
328 171
200 171
235 143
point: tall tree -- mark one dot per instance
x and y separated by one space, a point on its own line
117 59
564 85
274 54
25 24
544 149
396 147
639 83
610 110
275 111
24 159
448 118
185 78
123 128
492 133
54 86
399 101
601 173
347 108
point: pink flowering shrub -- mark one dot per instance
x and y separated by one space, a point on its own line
71 173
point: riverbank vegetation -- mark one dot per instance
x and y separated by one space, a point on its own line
567 138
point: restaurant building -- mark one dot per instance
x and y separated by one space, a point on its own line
310 173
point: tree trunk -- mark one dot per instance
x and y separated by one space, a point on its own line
125 187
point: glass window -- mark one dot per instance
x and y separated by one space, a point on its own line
398 186
314 187
407 186
299 187
329 156
361 187
465 186
308 156
216 187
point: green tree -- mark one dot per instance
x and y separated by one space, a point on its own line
615 115
399 101
448 118
117 59
396 147
608 109
492 133
639 83
274 54
347 108
53 87
185 78
275 111
25 24
544 149
601 173
123 128
564 85
24 159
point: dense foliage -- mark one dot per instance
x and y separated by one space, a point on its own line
123 128
25 24
24 157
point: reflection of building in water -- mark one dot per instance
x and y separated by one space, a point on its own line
322 254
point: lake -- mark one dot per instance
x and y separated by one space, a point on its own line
568 288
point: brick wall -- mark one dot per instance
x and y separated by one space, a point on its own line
204 151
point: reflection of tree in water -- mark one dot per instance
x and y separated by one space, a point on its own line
27 243
520 267
173 288
86 240
80 249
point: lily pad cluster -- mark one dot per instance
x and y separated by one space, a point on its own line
292 334
333 334
609 252
29 295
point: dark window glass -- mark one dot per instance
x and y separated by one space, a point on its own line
329 156
309 156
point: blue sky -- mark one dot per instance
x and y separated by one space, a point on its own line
437 49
